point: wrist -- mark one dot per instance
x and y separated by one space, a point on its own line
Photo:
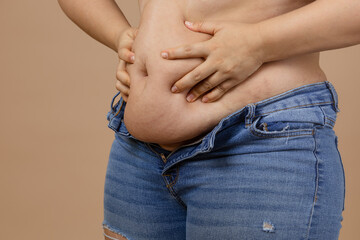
260 51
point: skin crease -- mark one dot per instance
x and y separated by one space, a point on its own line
154 114
292 34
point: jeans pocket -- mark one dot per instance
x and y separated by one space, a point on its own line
288 122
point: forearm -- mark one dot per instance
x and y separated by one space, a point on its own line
101 19
319 26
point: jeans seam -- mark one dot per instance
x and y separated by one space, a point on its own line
316 186
172 190
343 170
176 178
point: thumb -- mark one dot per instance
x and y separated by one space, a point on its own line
205 27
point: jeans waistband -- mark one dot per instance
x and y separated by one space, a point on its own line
320 93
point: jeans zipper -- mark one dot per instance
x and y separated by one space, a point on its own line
165 158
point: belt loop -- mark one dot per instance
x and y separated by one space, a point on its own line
250 115
112 102
334 95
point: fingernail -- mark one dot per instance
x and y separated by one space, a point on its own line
174 89
164 54
204 99
132 58
190 97
188 23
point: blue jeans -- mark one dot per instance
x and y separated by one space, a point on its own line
271 170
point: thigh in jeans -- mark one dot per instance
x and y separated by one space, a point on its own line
137 202
280 177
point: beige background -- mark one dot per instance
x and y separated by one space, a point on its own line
56 88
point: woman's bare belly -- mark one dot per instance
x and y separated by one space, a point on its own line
154 114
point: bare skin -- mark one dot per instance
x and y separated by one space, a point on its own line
293 33
154 114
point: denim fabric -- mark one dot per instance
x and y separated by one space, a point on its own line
271 170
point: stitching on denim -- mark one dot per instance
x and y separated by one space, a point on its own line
334 95
312 104
281 95
112 101
153 150
278 135
202 150
250 114
330 123
291 91
316 188
331 120
176 178
116 112
323 114
171 163
343 171
171 190
122 102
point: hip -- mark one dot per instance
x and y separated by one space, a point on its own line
271 167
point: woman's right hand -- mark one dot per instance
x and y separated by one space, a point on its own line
125 42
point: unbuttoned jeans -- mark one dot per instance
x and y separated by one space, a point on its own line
271 170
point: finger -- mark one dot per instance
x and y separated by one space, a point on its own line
123 76
126 55
219 91
202 26
122 88
121 66
125 97
196 75
119 83
199 49
206 85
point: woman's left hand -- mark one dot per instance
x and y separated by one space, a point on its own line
232 55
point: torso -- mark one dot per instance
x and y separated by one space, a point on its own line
154 114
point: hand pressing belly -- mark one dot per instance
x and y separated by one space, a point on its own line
153 113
